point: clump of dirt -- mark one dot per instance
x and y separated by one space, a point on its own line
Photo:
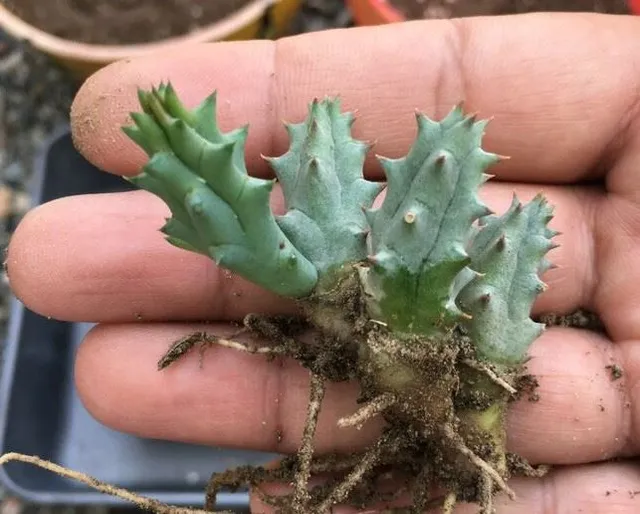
615 371
581 318
417 9
121 21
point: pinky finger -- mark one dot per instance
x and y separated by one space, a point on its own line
606 488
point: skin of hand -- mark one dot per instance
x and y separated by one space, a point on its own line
564 95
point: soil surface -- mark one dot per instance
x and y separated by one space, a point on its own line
417 9
121 21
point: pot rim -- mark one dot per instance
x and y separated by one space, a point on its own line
74 50
391 14
387 10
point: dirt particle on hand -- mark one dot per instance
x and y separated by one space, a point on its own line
615 371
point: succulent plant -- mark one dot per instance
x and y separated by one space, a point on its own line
425 300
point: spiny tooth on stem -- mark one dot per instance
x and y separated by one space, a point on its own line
441 159
471 119
410 217
501 243
313 128
541 287
485 298
350 118
373 260
314 165
268 158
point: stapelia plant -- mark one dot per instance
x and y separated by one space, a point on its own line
425 300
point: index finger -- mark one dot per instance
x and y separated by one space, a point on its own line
552 114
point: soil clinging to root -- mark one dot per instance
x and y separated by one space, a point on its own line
444 412
446 434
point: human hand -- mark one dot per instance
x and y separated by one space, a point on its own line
563 92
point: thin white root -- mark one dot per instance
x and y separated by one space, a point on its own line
141 501
477 461
491 375
487 495
368 411
204 340
449 503
235 345
301 495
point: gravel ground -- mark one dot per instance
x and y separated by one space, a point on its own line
35 96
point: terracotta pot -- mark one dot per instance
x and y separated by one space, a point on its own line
374 12
83 59
378 12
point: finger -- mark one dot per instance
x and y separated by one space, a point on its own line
607 488
102 258
532 74
248 401
115 265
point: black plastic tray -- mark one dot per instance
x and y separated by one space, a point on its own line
41 414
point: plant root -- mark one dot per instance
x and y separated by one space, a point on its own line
426 451
438 433
492 375
140 501
204 340
486 495
369 411
449 503
519 466
421 496
487 470
342 490
301 497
